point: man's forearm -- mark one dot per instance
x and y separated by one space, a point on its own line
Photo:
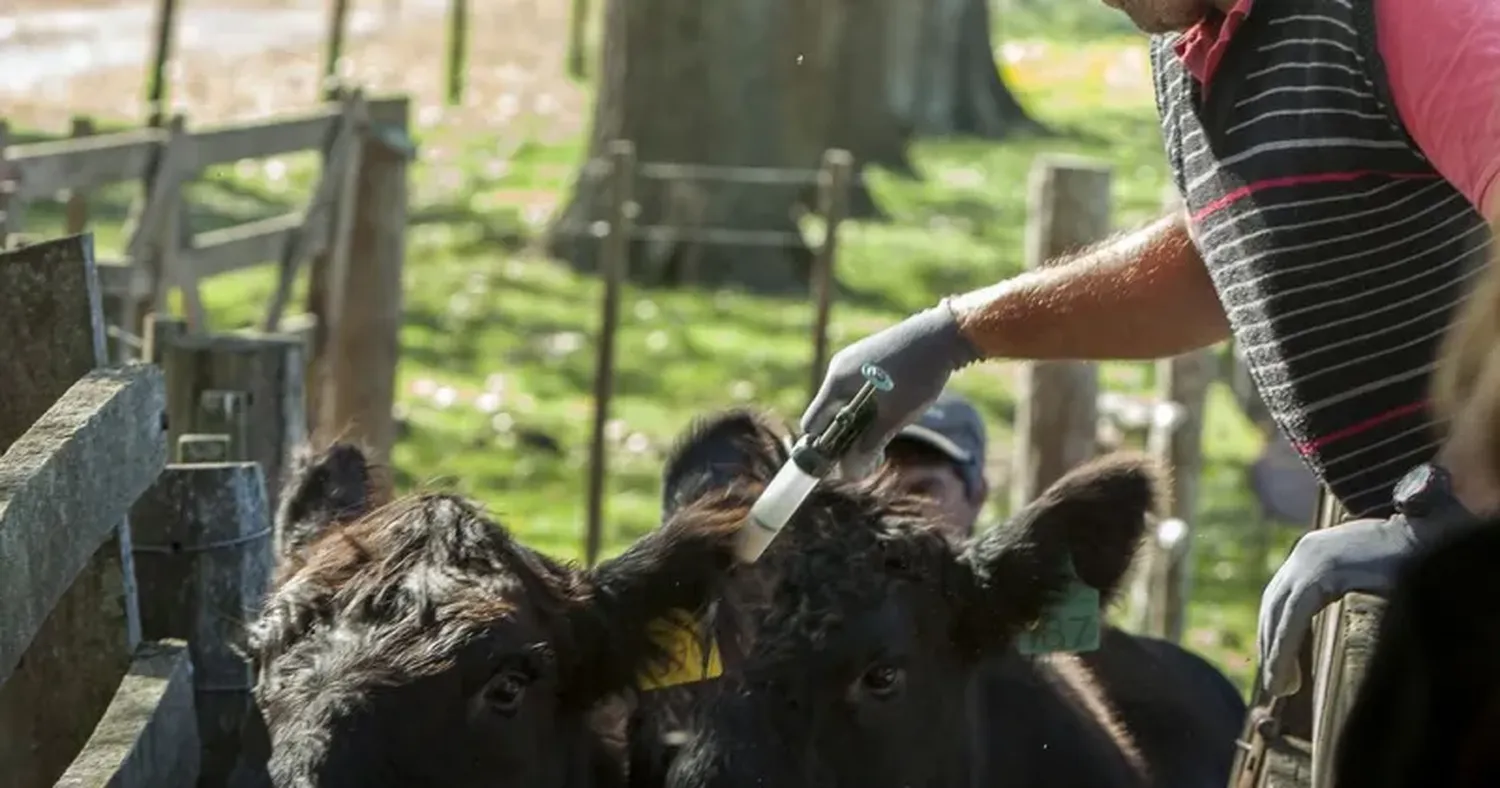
1142 295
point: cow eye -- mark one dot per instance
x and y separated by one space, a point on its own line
883 681
506 691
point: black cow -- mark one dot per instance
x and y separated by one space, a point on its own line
416 643
872 652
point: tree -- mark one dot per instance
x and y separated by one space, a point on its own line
943 79
770 84
698 83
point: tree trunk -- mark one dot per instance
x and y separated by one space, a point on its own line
863 121
711 84
943 80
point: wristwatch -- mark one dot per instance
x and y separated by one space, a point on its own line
1424 490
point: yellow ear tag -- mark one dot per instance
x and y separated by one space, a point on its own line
681 638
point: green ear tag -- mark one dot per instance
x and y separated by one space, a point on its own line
1070 625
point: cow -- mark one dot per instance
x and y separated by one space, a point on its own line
867 649
415 642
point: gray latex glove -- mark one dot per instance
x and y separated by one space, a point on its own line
919 354
1360 555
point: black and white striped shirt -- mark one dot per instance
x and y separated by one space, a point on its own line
1338 251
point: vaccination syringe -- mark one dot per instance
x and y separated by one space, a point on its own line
813 456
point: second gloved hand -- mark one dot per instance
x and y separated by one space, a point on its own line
920 353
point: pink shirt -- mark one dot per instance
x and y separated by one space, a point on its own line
1442 60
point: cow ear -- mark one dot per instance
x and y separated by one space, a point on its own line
324 489
715 453
1085 527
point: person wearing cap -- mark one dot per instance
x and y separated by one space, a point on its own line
940 457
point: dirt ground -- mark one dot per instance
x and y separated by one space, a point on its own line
516 78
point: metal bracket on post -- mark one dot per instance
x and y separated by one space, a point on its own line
225 413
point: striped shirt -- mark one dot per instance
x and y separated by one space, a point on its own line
1338 251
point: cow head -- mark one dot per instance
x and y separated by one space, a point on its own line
416 642
864 624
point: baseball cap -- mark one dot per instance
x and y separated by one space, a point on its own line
953 427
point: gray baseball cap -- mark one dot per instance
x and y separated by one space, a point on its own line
953 427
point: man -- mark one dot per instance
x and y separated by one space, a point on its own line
1338 161
940 457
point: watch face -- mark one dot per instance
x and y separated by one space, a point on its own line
1417 485
1413 482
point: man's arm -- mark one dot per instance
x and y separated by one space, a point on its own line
1442 60
1142 295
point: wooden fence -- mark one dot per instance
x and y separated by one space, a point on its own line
352 232
616 232
128 579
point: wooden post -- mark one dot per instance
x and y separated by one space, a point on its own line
51 318
77 218
614 257
1056 413
148 737
1182 381
338 15
833 199
161 331
203 545
360 350
458 44
155 237
326 227
161 59
266 371
1162 585
578 23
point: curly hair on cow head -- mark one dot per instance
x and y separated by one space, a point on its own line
417 642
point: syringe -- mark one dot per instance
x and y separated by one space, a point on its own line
813 457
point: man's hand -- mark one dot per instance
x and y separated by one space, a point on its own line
1360 555
920 353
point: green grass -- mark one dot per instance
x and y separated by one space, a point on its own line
494 387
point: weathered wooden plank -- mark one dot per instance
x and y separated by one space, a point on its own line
241 246
363 346
52 324
330 210
45 168
66 483
77 655
203 558
148 737
271 137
